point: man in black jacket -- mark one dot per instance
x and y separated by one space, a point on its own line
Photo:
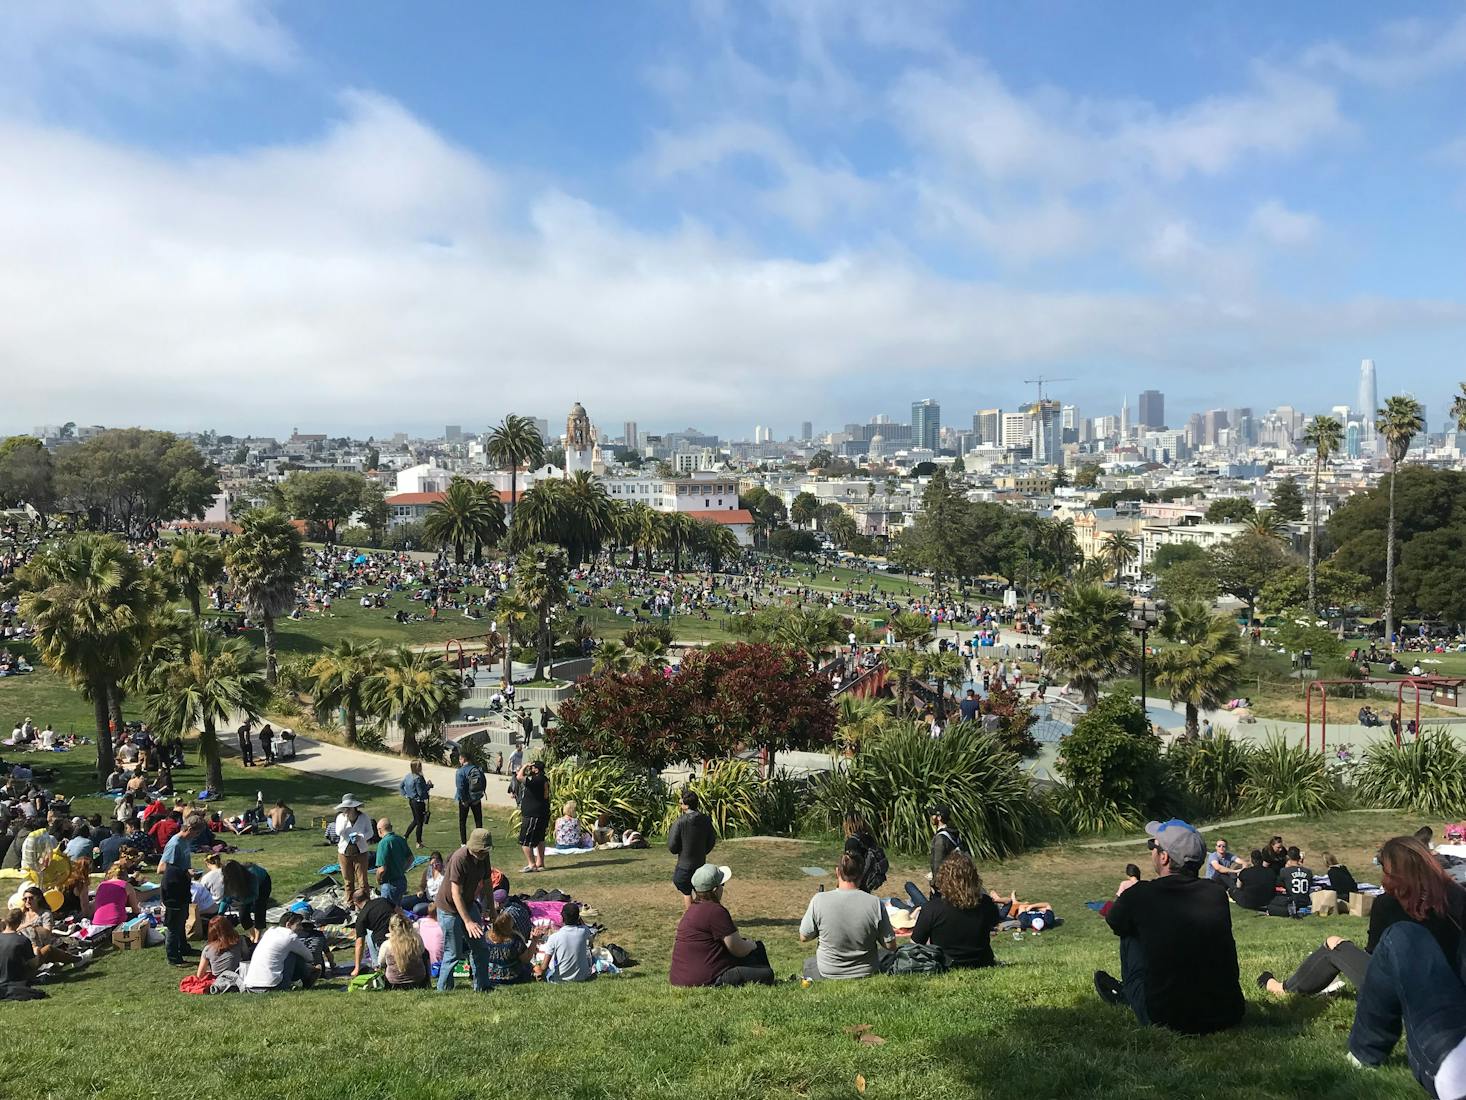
1178 961
690 839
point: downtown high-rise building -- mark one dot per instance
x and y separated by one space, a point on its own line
1213 423
806 430
926 424
1125 418
630 436
453 433
987 425
1152 409
1367 401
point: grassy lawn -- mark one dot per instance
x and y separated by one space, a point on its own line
1031 1028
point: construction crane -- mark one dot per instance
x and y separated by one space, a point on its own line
1040 381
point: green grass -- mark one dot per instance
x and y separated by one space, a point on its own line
1032 1028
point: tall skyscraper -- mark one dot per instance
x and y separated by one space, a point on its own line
1152 409
453 433
1368 398
1124 418
1046 418
806 430
631 435
987 425
1213 421
926 424
1016 430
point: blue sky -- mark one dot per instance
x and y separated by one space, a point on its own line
376 217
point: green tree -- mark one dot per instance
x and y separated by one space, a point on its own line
203 681
417 692
539 582
1118 551
810 632
591 517
190 563
1325 435
1243 565
1089 638
1087 476
1398 422
1111 765
468 517
1230 510
715 544
87 598
324 499
842 531
514 443
802 511
373 513
1458 408
133 480
1190 579
1173 553
820 460
1336 587
266 561
27 476
339 680
786 543
1204 665
945 667
1287 500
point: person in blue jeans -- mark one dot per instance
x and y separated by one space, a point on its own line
1410 984
461 911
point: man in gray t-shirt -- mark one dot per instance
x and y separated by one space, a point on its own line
851 927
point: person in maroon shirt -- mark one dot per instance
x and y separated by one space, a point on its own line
708 949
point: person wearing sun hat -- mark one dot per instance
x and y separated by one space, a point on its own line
354 835
1178 960
708 949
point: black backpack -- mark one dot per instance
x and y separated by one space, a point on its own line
477 783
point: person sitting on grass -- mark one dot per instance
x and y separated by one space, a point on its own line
281 817
568 948
1413 980
1222 865
850 926
223 953
1416 889
569 833
1257 885
508 956
1341 879
945 838
116 899
17 961
707 949
861 843
1178 961
1296 880
38 926
960 917
405 962
280 959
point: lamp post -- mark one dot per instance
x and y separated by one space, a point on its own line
1145 616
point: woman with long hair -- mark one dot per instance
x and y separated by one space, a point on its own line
247 889
404 956
224 951
116 898
414 787
861 842
960 917
1416 890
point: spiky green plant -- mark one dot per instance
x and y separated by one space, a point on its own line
1425 775
1210 773
729 793
631 797
1284 778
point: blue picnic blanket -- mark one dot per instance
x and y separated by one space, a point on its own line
335 868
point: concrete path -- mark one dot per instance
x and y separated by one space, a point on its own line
357 768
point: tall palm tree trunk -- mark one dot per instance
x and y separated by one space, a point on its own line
106 761
1313 540
508 658
350 709
267 629
114 706
195 603
209 750
1390 568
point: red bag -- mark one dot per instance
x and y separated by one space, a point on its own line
194 984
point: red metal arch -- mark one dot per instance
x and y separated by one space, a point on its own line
1429 683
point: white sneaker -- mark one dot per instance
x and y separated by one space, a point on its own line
1338 985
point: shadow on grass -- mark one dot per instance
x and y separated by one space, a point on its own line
583 864
769 922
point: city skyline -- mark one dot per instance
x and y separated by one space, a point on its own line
838 207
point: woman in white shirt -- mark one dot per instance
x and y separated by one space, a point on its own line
355 833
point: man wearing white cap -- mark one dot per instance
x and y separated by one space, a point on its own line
1178 961
354 833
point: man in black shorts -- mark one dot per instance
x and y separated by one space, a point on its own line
690 839
534 809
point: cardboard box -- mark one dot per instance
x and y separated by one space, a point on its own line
1360 905
1325 903
130 939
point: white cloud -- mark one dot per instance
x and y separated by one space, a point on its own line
1403 52
380 276
1275 223
240 30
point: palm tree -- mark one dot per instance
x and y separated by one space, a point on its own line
469 515
802 511
592 516
1267 524
1051 582
860 719
1089 638
911 628
1325 435
1203 668
492 527
87 598
417 692
339 678
810 632
945 667
1458 408
546 514
516 620
207 680
647 651
190 563
1118 550
539 581
1398 422
908 665
515 442
266 561
679 530
612 658
641 533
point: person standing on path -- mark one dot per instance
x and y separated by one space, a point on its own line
354 837
414 787
461 911
690 839
173 869
394 857
267 743
246 750
469 784
534 810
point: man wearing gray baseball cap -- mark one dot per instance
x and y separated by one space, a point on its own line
1178 961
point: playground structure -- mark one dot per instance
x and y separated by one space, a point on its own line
1433 684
